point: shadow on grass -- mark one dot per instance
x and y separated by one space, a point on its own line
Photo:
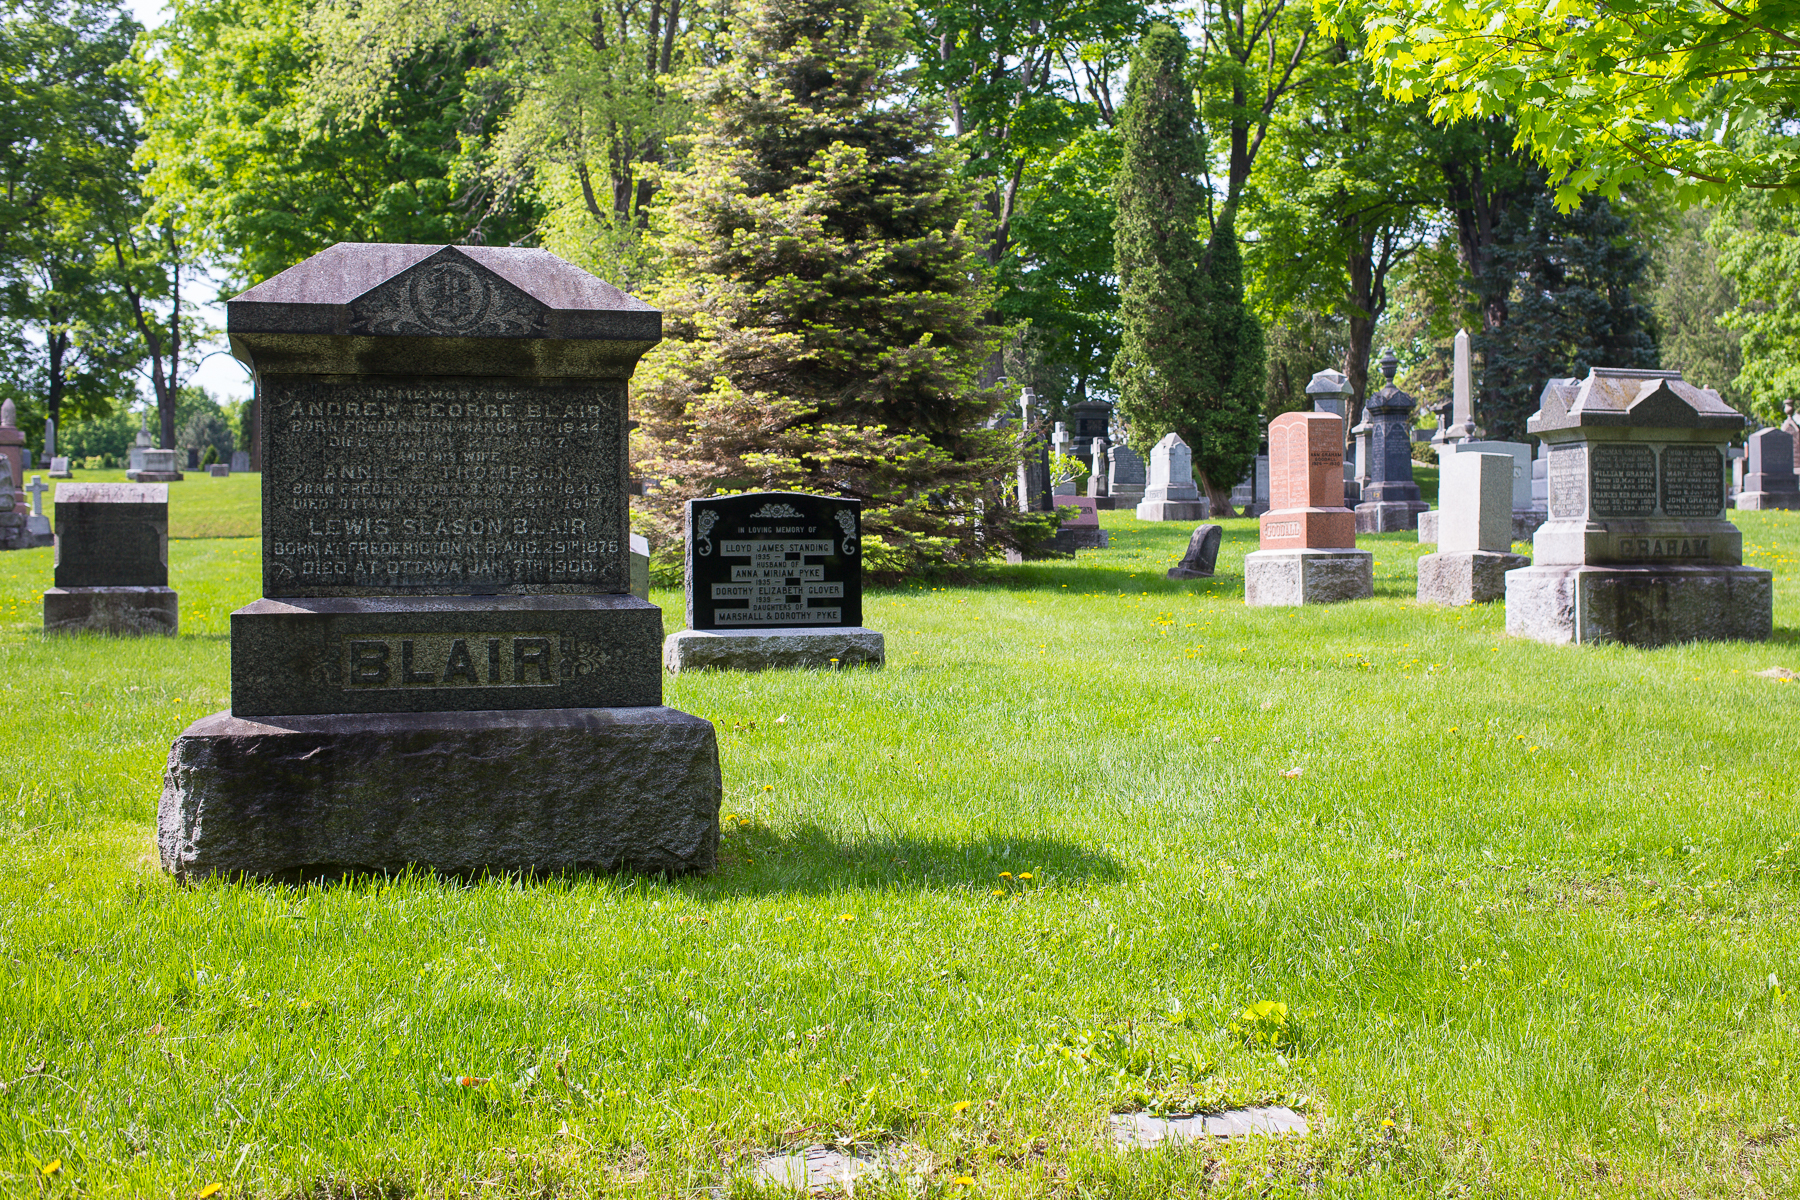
811 860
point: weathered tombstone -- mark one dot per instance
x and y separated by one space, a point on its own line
1525 520
1474 551
1637 548
1308 551
1330 392
1125 479
447 667
1202 554
219 471
140 444
1259 500
112 561
240 461
59 468
15 533
12 449
774 579
159 467
1096 488
1390 499
1461 427
1769 480
193 458
1171 494
37 525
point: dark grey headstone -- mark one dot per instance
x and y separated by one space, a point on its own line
1202 554
1769 462
774 560
112 535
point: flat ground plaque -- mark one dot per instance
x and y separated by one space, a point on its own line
774 560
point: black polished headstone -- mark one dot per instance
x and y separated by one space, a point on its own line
774 560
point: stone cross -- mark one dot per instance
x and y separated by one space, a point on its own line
37 489
1060 437
1027 398
143 433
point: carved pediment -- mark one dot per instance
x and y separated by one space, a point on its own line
448 295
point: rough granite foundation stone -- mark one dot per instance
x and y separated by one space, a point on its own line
766 649
1640 606
1466 577
127 611
545 790
1279 577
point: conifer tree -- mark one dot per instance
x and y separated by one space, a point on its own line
825 297
1191 353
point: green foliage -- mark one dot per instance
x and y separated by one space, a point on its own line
1571 283
1610 96
67 135
209 431
824 296
210 457
108 436
237 141
1759 253
1693 294
1191 353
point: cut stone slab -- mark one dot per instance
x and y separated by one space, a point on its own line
1141 1130
1463 577
126 611
1640 606
766 649
1282 577
1754 501
814 1169
365 654
569 789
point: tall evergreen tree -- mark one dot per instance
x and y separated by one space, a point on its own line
1191 354
825 296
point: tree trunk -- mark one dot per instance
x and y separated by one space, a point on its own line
1219 497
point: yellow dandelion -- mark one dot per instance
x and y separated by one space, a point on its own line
1006 874
960 1105
1026 875
846 917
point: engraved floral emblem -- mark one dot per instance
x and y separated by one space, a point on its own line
447 297
586 659
773 511
702 531
847 522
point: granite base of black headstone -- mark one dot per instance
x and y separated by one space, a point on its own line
1640 606
1754 501
362 654
1455 578
773 649
540 791
122 611
1202 554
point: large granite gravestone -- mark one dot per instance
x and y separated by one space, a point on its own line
1390 499
240 461
448 667
1637 548
774 579
1474 552
1308 552
112 560
1769 480
1125 475
1171 494
159 467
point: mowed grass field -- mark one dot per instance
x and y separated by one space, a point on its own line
1531 912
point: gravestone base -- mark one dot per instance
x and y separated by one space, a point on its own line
1748 501
14 535
297 655
1527 521
65 473
1067 541
773 649
1389 516
126 611
1175 510
1428 527
1466 577
155 476
219 471
1286 577
545 790
1640 606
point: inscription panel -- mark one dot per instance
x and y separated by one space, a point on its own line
1623 481
443 488
1693 481
773 560
1567 473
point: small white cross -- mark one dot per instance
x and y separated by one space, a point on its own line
37 489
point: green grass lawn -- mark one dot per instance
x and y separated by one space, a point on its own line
199 505
1531 911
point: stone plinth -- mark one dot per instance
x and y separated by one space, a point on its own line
1475 527
773 649
125 611
159 467
571 789
1308 549
1637 548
